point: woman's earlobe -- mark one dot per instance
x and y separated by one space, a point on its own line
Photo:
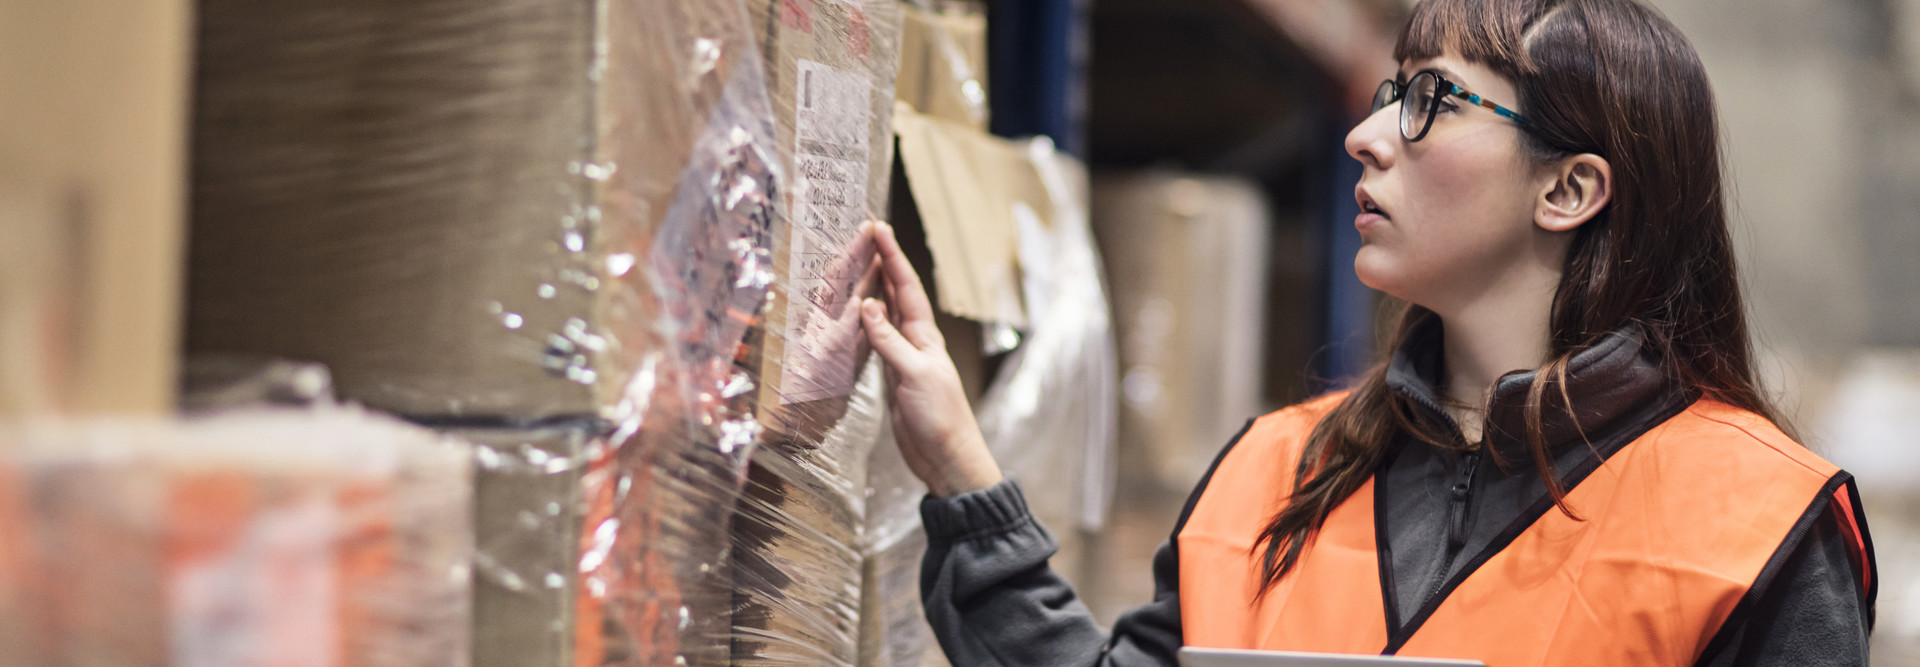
1582 187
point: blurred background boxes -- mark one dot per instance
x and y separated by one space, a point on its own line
329 537
1189 310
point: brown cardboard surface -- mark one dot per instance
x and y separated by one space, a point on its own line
449 205
92 195
943 64
383 191
967 185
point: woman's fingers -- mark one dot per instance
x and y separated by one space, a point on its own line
894 348
911 295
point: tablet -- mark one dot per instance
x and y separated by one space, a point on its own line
1223 657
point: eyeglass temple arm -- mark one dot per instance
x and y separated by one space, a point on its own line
1477 100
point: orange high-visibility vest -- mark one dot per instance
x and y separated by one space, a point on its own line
1678 526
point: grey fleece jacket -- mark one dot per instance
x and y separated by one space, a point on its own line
992 600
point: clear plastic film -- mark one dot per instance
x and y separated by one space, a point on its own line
693 255
617 246
1049 415
797 540
183 542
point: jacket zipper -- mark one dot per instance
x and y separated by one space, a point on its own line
1460 499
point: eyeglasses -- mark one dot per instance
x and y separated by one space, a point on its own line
1417 117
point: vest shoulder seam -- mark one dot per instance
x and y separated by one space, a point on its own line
1768 442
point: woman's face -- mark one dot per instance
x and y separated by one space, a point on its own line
1444 218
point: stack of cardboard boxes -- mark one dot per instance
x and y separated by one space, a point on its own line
611 252
133 535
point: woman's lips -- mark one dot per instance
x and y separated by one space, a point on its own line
1371 215
1366 221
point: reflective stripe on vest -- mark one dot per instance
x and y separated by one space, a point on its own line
1678 526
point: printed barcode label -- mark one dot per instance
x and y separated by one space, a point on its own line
832 122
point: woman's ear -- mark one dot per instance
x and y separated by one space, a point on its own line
1582 185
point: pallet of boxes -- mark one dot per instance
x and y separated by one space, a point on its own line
545 227
517 333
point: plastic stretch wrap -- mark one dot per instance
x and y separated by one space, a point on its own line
830 67
549 226
189 542
1049 416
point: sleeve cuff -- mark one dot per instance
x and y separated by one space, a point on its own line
995 509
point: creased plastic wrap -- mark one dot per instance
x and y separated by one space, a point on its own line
1050 414
830 68
943 58
323 538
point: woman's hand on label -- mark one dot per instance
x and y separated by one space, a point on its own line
935 427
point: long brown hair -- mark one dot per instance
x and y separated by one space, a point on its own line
1608 77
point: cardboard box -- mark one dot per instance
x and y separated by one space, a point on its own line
798 536
459 208
92 200
970 187
1188 310
830 68
943 63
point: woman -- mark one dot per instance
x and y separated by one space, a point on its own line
1566 458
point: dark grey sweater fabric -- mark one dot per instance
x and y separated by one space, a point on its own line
992 600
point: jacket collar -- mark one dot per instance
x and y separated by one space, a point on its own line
1609 381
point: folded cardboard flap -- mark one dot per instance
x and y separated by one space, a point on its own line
969 186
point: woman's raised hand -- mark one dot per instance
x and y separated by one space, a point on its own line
931 419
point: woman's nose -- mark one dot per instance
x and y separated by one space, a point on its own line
1375 139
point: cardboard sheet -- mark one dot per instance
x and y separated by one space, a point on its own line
968 185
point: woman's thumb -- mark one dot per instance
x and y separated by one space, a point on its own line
892 346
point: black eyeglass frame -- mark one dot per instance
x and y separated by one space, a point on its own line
1391 91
